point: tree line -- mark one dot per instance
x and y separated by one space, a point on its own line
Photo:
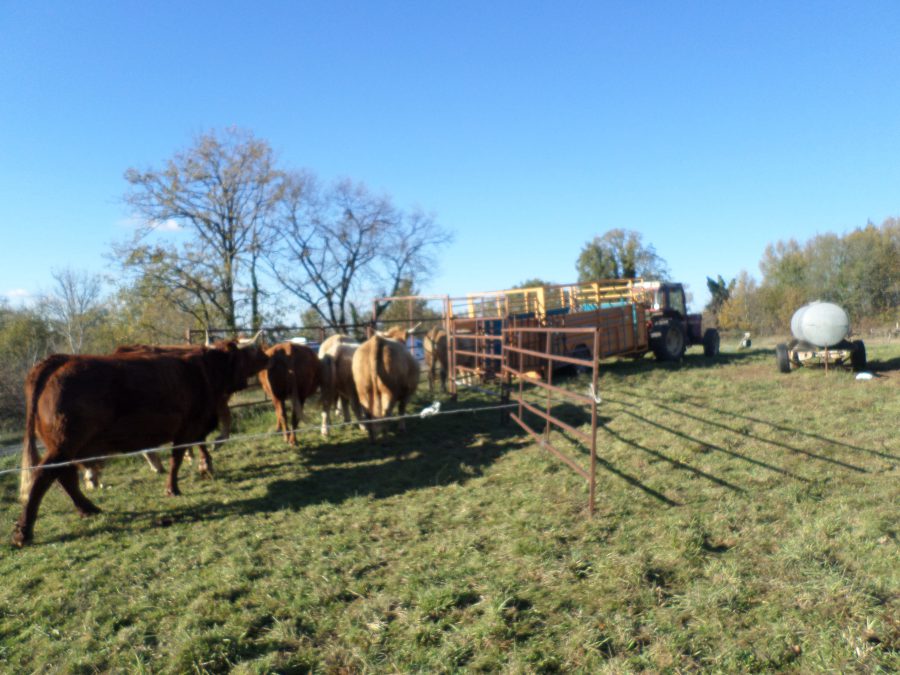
860 271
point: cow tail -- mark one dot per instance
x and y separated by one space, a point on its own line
30 456
374 398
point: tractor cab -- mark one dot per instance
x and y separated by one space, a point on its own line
670 327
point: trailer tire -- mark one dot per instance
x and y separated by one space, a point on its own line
858 356
711 342
670 346
782 359
581 352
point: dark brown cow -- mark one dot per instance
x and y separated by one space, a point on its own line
292 375
83 406
435 345
385 374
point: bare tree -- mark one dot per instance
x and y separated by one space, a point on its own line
219 193
74 306
333 241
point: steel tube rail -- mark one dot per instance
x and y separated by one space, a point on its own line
554 357
561 455
562 425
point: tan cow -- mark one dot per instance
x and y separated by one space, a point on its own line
336 359
385 374
435 345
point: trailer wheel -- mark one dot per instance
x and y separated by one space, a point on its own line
711 342
581 352
858 356
669 347
782 359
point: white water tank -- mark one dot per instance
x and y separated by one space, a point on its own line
822 324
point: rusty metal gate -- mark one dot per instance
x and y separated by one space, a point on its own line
518 353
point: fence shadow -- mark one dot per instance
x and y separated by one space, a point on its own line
577 416
337 472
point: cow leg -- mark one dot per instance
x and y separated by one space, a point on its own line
401 410
296 419
92 473
174 464
431 370
68 478
326 422
387 406
154 461
444 379
370 427
345 409
224 413
23 532
358 412
206 464
280 421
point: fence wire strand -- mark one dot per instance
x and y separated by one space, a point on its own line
429 413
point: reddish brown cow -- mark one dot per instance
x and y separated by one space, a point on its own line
385 374
92 476
83 406
292 375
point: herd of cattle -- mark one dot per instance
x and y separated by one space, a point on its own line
140 396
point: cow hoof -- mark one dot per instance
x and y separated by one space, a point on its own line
88 511
20 538
173 493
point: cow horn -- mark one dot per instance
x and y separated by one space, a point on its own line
413 329
206 333
246 342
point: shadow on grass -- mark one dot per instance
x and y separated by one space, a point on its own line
883 365
625 410
648 363
746 434
576 416
703 404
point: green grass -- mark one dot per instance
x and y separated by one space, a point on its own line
746 521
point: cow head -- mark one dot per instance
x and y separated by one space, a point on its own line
246 357
398 332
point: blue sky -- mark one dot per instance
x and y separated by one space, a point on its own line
713 128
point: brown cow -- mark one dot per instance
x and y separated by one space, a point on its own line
435 345
385 374
292 375
83 406
92 475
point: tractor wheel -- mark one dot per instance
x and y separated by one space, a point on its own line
858 356
782 359
711 342
670 347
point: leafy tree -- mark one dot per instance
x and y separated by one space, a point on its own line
218 195
619 254
25 338
719 291
534 282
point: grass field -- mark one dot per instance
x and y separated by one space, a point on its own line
746 521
